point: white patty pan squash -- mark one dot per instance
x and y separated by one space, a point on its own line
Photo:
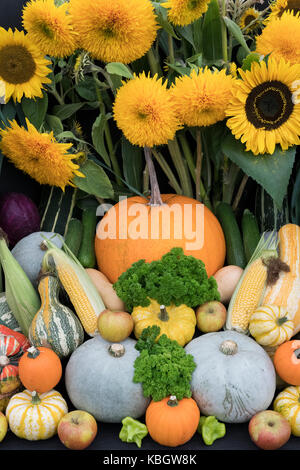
98 379
234 378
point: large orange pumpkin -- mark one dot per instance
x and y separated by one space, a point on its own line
133 230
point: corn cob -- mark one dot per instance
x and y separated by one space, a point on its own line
83 294
251 287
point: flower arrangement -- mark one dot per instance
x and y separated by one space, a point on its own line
98 94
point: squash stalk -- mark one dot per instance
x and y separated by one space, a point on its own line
116 350
155 198
172 401
35 398
163 315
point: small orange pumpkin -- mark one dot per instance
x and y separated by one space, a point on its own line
40 369
287 362
171 422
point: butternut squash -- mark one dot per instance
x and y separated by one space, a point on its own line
286 291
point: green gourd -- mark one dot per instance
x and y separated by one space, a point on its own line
6 316
55 325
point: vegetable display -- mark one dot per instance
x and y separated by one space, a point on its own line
175 278
163 367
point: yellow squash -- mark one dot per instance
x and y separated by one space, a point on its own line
178 323
271 325
286 291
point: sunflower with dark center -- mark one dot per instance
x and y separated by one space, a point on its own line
249 21
281 6
23 69
264 110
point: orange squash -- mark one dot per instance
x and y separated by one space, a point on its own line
171 422
133 230
287 362
40 369
286 291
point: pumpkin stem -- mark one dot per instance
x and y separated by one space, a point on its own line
35 398
163 315
33 352
228 347
116 350
281 321
155 199
172 401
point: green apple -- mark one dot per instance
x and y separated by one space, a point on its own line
211 316
3 426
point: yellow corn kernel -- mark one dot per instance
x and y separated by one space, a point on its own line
248 296
78 297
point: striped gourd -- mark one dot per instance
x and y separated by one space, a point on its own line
271 325
286 291
10 353
250 289
55 325
287 403
34 417
6 316
83 294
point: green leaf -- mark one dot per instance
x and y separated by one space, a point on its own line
212 32
86 89
116 68
197 34
187 33
96 181
9 110
162 19
35 110
272 172
53 123
236 32
132 164
64 111
98 137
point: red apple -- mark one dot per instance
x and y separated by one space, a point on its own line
77 429
269 430
115 326
211 316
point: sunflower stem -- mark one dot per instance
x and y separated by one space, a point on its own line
229 182
188 155
171 49
153 63
181 169
198 163
155 198
240 192
112 155
224 32
167 170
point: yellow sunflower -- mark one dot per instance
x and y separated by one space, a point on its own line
114 31
200 99
143 111
278 7
264 109
50 27
23 68
246 19
281 37
184 12
39 155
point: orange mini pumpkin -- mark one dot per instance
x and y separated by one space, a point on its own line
40 369
287 362
171 422
133 230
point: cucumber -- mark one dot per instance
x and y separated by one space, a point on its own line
73 236
86 254
235 254
250 233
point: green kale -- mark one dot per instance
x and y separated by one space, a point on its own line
174 279
163 366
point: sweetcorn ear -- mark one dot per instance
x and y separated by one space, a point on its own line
83 295
250 290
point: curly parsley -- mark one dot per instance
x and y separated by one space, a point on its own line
175 278
163 367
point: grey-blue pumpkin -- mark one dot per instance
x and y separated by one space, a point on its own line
99 380
234 378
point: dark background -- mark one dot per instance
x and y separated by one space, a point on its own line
237 437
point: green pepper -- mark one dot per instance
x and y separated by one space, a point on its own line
133 431
211 429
